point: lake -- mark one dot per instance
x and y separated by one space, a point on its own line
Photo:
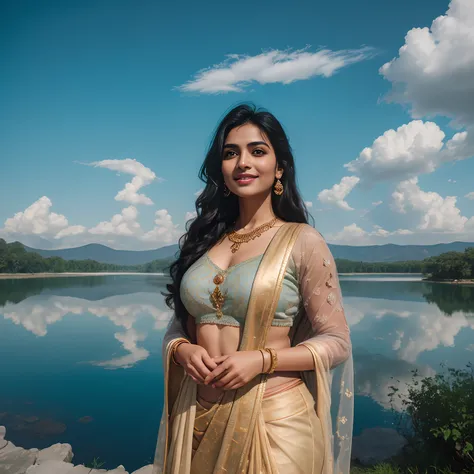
80 357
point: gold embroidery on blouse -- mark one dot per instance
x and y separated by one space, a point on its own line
342 419
348 393
317 291
339 308
329 281
326 262
331 298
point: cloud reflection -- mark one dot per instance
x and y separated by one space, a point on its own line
37 312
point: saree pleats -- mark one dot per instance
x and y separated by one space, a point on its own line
287 438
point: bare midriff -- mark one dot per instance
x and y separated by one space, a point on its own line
221 340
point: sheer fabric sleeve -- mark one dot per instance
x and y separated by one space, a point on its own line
321 296
323 329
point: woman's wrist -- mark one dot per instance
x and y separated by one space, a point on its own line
175 348
269 360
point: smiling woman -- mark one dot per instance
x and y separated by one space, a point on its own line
258 318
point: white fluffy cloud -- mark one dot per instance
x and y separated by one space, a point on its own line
434 70
237 72
354 235
70 231
336 195
164 232
190 215
414 148
36 219
309 204
470 195
142 177
436 213
123 224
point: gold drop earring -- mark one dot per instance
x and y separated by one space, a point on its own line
278 188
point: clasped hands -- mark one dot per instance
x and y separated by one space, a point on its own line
227 372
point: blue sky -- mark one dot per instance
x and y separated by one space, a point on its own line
108 108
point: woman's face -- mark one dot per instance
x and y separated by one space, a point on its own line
248 150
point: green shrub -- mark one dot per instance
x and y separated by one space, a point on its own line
438 418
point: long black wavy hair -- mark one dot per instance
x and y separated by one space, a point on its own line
216 213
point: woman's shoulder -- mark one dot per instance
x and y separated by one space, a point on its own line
309 235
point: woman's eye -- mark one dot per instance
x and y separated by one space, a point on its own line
227 153
261 152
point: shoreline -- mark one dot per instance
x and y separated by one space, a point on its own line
6 276
20 276
451 282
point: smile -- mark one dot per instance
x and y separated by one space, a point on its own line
246 180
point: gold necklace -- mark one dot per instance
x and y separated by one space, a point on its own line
238 239
217 297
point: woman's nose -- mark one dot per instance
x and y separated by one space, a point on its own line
243 160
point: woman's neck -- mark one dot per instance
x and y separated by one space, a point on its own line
254 212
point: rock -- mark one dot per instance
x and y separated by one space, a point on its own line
375 445
3 443
16 460
85 419
98 471
118 470
9 447
50 467
33 425
56 452
80 469
3 432
144 470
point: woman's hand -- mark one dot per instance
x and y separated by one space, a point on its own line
195 360
234 371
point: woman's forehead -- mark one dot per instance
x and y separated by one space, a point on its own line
246 133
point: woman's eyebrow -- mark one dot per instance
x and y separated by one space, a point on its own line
233 145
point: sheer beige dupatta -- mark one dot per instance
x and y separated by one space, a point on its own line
232 438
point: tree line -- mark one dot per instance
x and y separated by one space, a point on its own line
15 259
449 265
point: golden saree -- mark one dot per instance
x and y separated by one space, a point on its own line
237 441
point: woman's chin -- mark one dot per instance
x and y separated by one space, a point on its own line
249 192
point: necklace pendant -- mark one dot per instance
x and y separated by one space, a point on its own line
234 247
216 297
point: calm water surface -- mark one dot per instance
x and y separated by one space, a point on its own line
80 357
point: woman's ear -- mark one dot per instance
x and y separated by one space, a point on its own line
279 173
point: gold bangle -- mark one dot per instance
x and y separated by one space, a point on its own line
175 346
263 360
274 360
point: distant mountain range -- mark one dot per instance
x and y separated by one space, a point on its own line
102 253
365 253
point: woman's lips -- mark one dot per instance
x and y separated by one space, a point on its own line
246 180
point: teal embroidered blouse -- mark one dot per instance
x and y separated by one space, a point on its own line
197 286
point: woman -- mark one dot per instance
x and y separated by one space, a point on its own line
259 327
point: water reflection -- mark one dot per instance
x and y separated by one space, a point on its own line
69 330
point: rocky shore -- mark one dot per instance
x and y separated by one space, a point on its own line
55 459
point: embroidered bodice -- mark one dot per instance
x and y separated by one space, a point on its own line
299 287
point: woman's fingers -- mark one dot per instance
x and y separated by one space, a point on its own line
222 382
195 375
199 365
211 364
215 374
220 359
233 385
